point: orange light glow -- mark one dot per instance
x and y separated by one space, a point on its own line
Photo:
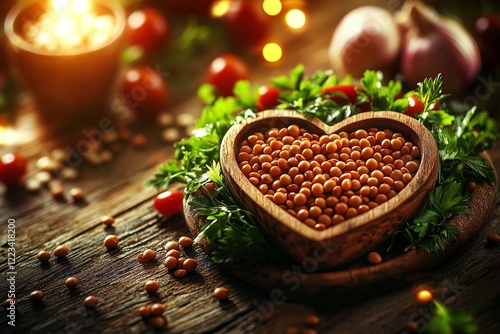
424 296
295 19
272 52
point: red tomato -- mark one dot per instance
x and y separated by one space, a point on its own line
144 91
196 7
348 90
148 29
415 105
169 202
268 97
12 169
246 23
224 71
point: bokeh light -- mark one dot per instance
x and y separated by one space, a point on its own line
295 18
220 8
272 7
272 52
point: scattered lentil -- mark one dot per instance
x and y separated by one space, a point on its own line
185 242
43 256
170 262
141 258
61 251
77 194
171 245
312 320
71 282
111 241
107 220
145 311
158 309
189 265
8 302
151 286
170 135
90 302
56 189
412 327
221 293
33 185
158 321
68 173
149 254
180 273
36 295
374 257
294 168
174 253
424 296
139 140
494 238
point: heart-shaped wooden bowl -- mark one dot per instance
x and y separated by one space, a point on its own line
354 237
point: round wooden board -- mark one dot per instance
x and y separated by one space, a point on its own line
302 282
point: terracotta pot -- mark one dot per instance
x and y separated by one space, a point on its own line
72 86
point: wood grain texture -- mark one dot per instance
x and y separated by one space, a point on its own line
466 281
354 237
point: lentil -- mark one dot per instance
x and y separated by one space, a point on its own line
337 176
189 265
151 286
90 302
145 311
111 241
107 220
171 262
174 253
61 251
171 245
185 242
141 258
43 256
158 321
374 257
221 293
77 194
7 302
157 309
494 238
149 254
36 295
312 320
71 282
180 273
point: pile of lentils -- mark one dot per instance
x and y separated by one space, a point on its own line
324 180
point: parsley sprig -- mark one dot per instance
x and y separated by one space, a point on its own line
232 228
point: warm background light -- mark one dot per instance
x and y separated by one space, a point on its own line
295 19
272 7
272 52
220 8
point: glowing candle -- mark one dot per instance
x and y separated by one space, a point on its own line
69 25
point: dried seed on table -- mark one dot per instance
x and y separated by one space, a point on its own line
59 155
46 164
43 256
71 282
374 257
185 119
424 296
170 262
149 254
111 241
180 273
61 251
494 238
36 295
312 320
180 262
221 293
56 188
33 185
171 135
171 245
139 140
190 265
165 119
8 302
185 242
158 321
141 258
151 286
90 302
174 253
77 194
107 220
157 309
68 173
106 156
145 311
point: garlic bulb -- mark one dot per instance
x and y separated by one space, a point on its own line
365 39
435 44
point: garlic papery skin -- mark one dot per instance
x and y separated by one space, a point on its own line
435 44
365 39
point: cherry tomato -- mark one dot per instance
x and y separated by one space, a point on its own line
148 29
184 7
12 169
268 97
224 71
144 91
246 23
415 105
348 90
169 202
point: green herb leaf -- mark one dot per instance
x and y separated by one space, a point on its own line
446 321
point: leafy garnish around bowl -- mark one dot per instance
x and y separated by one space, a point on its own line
232 229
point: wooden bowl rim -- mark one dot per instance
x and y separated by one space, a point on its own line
429 157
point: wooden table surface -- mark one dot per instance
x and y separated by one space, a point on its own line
467 282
